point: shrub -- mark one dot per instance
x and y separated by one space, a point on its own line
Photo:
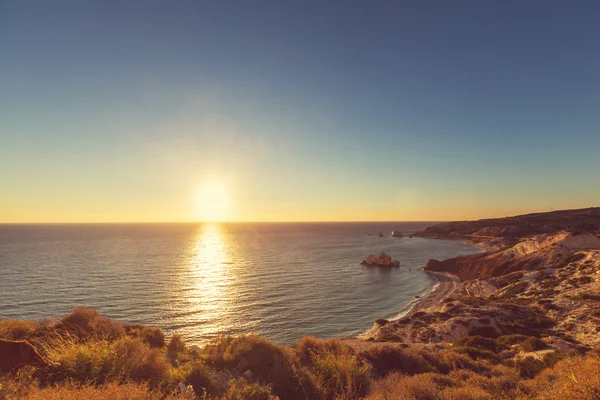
573 378
17 329
153 336
588 296
341 376
201 380
267 362
175 347
480 342
385 359
509 340
71 391
88 323
529 367
485 331
241 389
475 353
532 344
400 387
101 361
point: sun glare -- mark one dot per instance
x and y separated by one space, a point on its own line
213 202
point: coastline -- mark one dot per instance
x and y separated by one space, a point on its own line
447 284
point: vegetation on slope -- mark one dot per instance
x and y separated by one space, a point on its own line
97 358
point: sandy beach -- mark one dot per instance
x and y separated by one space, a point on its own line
448 284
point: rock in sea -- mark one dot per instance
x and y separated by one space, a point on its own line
384 260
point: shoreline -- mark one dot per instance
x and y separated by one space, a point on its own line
447 284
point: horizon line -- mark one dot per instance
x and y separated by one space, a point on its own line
210 222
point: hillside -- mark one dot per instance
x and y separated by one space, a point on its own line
90 357
509 230
545 284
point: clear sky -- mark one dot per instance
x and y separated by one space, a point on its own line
298 110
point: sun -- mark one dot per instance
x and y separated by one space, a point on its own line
213 202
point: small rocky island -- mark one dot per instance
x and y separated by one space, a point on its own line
384 260
397 234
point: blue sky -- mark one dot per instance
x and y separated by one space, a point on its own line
118 111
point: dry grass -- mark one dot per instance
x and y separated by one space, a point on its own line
112 391
96 358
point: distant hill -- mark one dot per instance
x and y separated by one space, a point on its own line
519 243
576 221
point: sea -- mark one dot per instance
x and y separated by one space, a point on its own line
279 280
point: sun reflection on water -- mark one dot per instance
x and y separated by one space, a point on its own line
210 276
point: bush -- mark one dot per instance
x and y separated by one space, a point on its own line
71 391
485 331
175 347
241 389
104 361
385 359
529 367
480 342
532 344
201 380
308 347
573 378
509 340
476 353
153 336
266 362
87 323
341 376
588 296
400 387
18 329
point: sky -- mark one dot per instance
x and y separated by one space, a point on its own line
114 111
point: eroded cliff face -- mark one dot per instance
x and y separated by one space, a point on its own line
559 303
541 251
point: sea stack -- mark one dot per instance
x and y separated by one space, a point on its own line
397 234
384 260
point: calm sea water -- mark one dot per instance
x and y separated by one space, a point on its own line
282 281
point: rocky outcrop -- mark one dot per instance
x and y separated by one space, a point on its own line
397 234
543 250
384 260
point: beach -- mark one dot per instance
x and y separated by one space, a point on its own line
447 285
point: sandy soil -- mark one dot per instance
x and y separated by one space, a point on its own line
448 285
